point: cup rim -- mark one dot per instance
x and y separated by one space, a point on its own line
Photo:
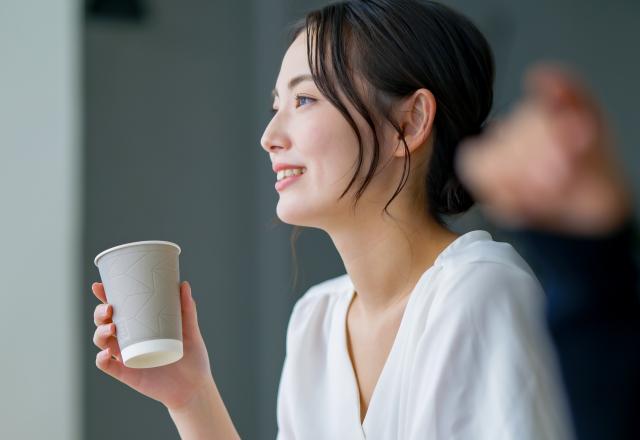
134 243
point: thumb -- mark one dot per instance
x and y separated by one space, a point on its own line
554 85
574 111
189 311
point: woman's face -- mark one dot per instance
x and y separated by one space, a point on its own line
307 131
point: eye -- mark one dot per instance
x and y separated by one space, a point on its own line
302 100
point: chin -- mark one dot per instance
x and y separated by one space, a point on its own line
292 213
295 213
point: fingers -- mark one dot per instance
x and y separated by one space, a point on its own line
102 334
109 360
547 84
567 99
98 291
556 86
102 314
106 336
559 89
116 369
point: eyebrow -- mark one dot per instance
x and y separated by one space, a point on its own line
294 82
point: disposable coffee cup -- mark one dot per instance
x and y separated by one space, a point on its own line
142 283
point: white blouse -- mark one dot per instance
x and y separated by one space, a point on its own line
471 358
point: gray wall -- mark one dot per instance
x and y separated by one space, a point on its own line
175 106
40 220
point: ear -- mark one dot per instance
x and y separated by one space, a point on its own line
415 117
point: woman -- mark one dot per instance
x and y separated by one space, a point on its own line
428 334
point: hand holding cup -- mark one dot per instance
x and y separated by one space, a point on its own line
173 382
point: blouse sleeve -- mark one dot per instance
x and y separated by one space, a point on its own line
484 367
284 410
305 313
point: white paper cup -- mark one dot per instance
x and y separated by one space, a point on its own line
142 283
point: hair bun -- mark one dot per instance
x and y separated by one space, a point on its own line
479 129
456 199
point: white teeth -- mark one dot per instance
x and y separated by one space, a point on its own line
290 172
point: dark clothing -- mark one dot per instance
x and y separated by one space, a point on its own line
593 312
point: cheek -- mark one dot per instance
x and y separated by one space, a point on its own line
330 148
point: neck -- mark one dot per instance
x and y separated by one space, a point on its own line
385 258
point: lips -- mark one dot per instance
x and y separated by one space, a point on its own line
278 166
283 183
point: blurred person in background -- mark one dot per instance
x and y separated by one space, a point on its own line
547 171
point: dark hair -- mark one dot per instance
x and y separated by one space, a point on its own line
398 47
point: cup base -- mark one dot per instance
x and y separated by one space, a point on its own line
152 353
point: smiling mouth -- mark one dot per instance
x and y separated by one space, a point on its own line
283 174
288 179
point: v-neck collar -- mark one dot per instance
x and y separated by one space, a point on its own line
348 298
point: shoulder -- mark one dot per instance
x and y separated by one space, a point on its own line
486 312
476 270
478 248
483 293
320 296
313 311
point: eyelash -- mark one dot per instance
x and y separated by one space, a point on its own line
297 98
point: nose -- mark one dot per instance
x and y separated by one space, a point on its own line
275 136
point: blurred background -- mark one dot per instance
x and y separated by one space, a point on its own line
129 120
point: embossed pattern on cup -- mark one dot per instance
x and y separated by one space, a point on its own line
142 282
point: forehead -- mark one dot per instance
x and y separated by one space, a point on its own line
295 61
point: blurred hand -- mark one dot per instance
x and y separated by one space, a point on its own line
549 164
173 385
